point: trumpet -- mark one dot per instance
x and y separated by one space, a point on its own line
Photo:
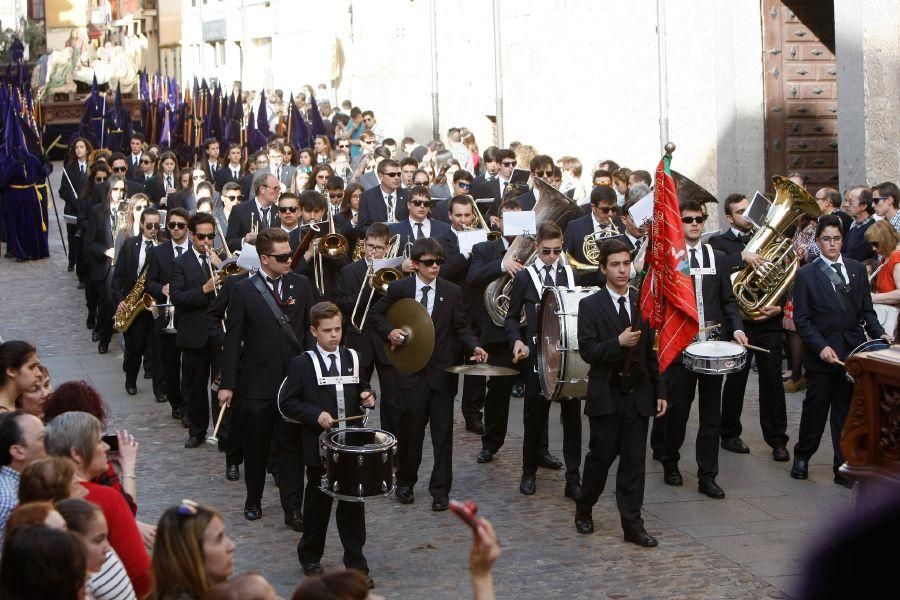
170 316
377 281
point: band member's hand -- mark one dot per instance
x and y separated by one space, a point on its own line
752 259
396 337
407 266
224 397
661 407
307 256
828 355
768 312
209 286
741 338
368 398
109 252
888 338
250 238
326 421
520 351
214 259
629 338
479 355
165 289
512 266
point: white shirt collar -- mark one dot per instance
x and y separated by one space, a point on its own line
291 229
737 233
615 298
324 353
839 261
420 284
554 266
426 224
200 260
183 245
632 239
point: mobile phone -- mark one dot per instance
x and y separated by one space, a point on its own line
112 440
466 511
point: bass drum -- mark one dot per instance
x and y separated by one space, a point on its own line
561 371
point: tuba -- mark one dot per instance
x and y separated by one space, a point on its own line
553 206
756 288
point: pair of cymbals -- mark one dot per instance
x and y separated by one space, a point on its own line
483 370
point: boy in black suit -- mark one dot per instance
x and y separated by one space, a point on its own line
620 401
426 395
316 406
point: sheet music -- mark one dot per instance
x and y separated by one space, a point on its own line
467 239
519 222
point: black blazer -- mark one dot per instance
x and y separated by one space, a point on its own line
485 266
156 187
450 329
160 269
846 220
134 171
97 241
223 176
456 265
191 302
125 272
527 200
573 241
368 344
301 399
70 187
204 166
184 199
822 319
372 208
100 191
855 245
731 246
525 296
257 353
330 271
241 221
599 327
404 228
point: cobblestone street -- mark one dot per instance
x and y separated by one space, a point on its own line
746 546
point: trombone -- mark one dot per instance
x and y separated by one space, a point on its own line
331 246
481 224
377 281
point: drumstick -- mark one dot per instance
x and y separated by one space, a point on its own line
349 419
840 362
708 328
214 438
757 348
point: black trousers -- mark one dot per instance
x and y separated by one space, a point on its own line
233 431
388 399
623 434
772 408
351 524
681 384
105 307
196 374
264 431
473 396
139 338
823 391
496 400
420 406
74 241
167 366
536 416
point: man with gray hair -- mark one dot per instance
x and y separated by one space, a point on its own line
860 207
256 214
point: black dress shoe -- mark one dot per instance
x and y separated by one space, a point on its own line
90 323
475 425
70 268
573 489
294 520
177 414
404 494
81 286
671 474
184 421
548 461
232 473
440 503
781 454
584 524
131 389
657 454
735 444
800 470
95 335
162 398
148 374
312 569
103 347
843 481
253 513
192 441
710 488
527 485
484 456
641 538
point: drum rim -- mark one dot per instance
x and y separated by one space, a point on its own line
559 383
541 362
864 347
738 350
389 443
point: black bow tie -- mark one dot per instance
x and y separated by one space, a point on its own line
745 238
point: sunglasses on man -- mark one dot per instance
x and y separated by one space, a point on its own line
689 220
549 251
205 236
430 262
120 169
234 197
282 258
151 226
544 174
288 209
420 203
173 225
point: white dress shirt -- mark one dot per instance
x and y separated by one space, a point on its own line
843 267
615 300
426 228
421 284
326 357
183 245
142 254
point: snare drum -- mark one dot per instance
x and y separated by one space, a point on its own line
714 358
867 346
561 371
358 463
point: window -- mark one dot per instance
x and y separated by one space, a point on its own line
36 10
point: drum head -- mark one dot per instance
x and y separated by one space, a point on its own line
870 346
550 359
359 439
713 349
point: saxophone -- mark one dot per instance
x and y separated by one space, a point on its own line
134 303
756 288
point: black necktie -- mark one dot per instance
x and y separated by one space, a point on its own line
81 168
212 168
548 278
694 263
424 300
637 245
275 286
148 245
179 249
168 181
419 234
623 313
390 206
235 174
205 265
134 161
837 267
265 217
332 369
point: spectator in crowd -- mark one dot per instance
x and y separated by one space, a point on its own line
33 402
34 513
886 197
50 479
40 562
245 585
19 372
21 443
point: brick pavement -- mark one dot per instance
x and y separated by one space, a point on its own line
747 546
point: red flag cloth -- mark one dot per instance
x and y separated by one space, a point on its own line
667 296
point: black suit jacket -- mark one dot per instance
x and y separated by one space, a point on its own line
156 187
450 329
191 302
97 241
368 344
846 220
485 266
125 272
599 327
160 269
257 353
223 176
573 241
301 399
241 221
524 296
729 245
855 245
101 190
405 230
718 299
527 200
822 319
70 187
456 265
134 171
372 208
204 166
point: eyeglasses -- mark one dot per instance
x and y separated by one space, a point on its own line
335 195
151 225
825 239
463 185
508 163
99 179
604 209
120 169
145 161
423 183
420 203
543 173
234 197
187 508
374 247
549 251
430 262
205 236
282 258
343 145
271 187
689 220
391 174
139 207
173 225
290 209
